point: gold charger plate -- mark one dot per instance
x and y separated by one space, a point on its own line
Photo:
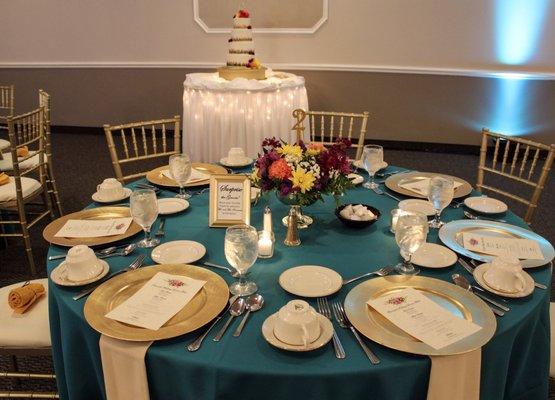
202 308
455 299
158 178
394 181
92 213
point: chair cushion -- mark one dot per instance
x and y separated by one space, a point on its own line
28 185
4 144
28 330
7 165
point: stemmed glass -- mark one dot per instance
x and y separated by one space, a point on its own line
440 194
241 251
410 234
372 158
180 170
144 210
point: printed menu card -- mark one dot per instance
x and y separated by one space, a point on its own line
157 301
91 228
497 246
422 318
420 186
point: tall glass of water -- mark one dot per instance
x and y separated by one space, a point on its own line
180 170
440 194
241 251
372 158
410 234
144 210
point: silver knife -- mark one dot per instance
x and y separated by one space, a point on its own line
461 281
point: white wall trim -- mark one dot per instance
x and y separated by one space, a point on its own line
310 30
394 69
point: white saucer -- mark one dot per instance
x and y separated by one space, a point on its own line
172 205
479 276
178 252
243 162
356 179
485 205
360 165
431 255
126 193
415 205
255 193
59 277
310 281
326 333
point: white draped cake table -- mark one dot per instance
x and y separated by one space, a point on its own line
220 114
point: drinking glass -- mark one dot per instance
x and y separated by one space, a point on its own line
241 251
410 234
144 210
372 158
440 194
180 170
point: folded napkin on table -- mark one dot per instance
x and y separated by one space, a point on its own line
421 186
196 175
455 377
21 298
4 178
22 151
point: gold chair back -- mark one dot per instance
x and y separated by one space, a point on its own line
523 161
327 126
6 102
141 141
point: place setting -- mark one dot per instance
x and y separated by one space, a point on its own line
110 191
236 158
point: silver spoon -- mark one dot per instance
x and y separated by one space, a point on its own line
236 309
103 252
130 248
469 215
465 284
254 303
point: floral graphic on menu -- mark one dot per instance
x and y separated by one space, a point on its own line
396 300
175 282
473 242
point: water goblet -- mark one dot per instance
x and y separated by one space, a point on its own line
410 234
144 210
241 251
440 194
372 158
180 170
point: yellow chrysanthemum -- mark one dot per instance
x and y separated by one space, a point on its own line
291 150
255 179
302 180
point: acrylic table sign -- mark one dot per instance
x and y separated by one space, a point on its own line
230 200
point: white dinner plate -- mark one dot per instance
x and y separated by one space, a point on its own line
431 255
310 281
178 252
326 333
59 275
243 162
485 205
356 179
171 205
416 205
126 193
479 277
360 165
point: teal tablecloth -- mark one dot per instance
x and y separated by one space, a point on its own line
515 363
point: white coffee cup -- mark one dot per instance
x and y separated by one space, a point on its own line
81 263
110 189
297 323
505 275
235 155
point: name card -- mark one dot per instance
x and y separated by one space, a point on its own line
230 200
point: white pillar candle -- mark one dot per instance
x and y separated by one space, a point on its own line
265 244
267 219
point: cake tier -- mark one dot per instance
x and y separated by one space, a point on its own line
242 46
241 34
241 22
236 60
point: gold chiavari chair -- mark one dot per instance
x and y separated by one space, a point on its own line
44 101
6 109
326 127
516 166
142 141
18 196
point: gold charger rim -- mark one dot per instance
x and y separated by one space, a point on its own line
96 305
155 175
392 183
358 313
53 227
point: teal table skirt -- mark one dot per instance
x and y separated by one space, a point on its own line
515 363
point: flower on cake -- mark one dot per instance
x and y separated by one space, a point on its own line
241 14
254 63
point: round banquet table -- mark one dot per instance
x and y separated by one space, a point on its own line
220 114
515 363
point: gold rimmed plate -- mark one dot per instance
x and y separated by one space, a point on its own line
456 300
157 177
202 308
394 181
90 214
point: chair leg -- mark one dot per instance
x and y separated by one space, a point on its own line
28 249
4 243
56 198
15 368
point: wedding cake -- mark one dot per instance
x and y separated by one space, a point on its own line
241 62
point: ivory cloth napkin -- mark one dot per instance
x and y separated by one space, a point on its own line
123 365
196 175
455 377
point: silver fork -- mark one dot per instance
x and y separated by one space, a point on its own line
381 192
381 272
343 321
324 309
